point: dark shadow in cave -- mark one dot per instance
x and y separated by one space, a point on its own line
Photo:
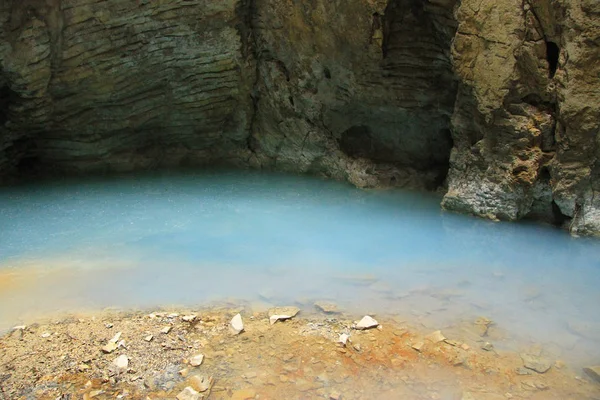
5 98
552 53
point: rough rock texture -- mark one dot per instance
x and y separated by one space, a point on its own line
503 97
527 115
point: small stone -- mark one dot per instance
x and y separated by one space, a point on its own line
335 396
184 372
523 371
244 394
109 325
487 346
166 329
343 339
173 315
237 325
189 394
83 367
366 323
356 346
46 335
435 337
326 307
282 313
149 338
465 346
593 372
535 362
418 346
121 362
189 318
196 360
94 393
109 347
454 343
200 383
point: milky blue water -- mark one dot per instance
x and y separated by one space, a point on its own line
194 238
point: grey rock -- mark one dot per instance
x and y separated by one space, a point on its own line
536 363
593 372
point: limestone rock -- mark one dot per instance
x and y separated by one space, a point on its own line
189 318
435 337
536 362
121 363
189 394
282 313
166 329
196 360
366 322
237 325
200 383
112 344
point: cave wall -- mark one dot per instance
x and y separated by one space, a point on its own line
526 123
496 101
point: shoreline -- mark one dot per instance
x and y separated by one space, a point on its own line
301 357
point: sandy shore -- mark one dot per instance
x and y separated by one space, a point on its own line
154 355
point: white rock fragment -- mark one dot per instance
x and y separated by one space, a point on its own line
166 329
189 318
149 338
112 344
121 363
366 323
46 335
189 394
173 315
19 328
343 339
282 313
196 360
237 325
418 346
435 337
200 383
326 307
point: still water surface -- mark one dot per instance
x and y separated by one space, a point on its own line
194 238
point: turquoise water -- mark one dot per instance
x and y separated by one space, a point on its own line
193 238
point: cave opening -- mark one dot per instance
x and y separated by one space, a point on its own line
552 53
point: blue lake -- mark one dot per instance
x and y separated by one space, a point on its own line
194 238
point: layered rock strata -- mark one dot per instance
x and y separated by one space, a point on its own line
497 102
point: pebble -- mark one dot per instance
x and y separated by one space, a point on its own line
593 372
335 396
46 335
112 344
487 346
343 339
149 338
189 318
536 362
435 337
366 322
189 394
523 371
200 383
418 346
237 325
196 360
121 362
166 329
173 315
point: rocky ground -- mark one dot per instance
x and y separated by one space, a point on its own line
215 354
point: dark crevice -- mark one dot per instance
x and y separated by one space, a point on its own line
5 100
552 53
327 73
559 217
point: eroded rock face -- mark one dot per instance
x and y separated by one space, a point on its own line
527 116
503 96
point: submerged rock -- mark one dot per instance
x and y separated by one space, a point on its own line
326 307
593 372
536 363
112 344
435 337
237 325
121 363
366 322
200 383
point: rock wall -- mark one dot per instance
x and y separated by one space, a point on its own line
497 101
526 123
